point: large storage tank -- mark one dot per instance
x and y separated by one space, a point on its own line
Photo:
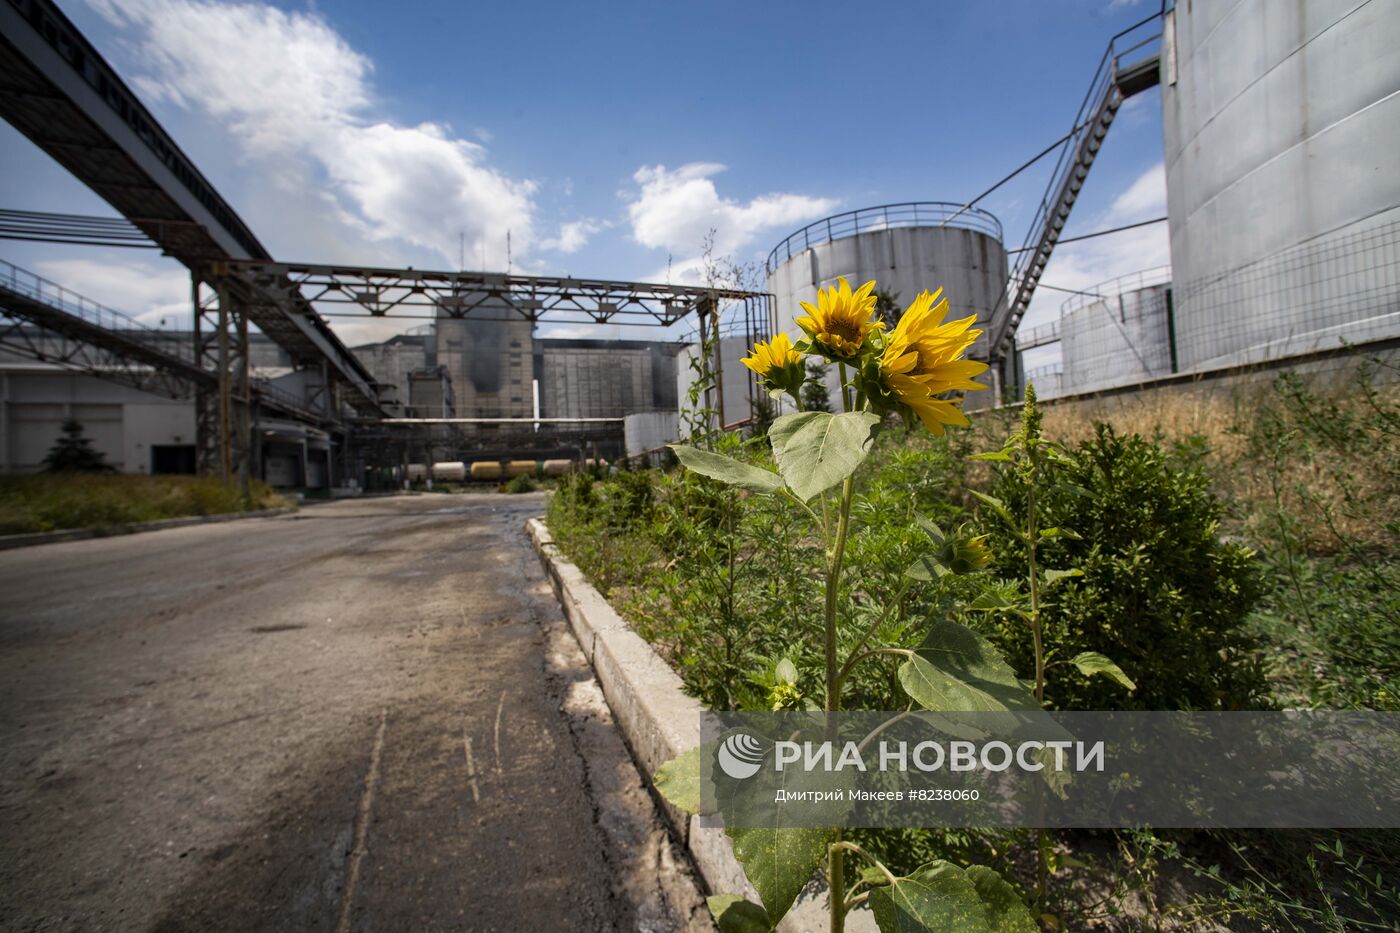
906 248
647 430
731 398
1118 335
1282 127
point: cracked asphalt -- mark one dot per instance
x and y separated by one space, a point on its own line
368 715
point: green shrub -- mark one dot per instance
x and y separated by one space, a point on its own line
1161 593
518 484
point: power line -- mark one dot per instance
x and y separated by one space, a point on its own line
1090 236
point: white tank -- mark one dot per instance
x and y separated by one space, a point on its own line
648 430
906 248
1121 336
1282 135
449 471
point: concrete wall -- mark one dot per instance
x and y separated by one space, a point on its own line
489 357
604 378
124 424
969 265
1282 127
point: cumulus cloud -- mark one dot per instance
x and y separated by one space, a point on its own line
573 236
295 96
676 209
156 293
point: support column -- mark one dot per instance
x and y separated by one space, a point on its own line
223 422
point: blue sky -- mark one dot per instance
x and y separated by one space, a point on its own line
605 137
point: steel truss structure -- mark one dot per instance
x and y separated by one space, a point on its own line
541 299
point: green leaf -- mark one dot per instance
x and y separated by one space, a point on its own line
957 670
733 914
997 506
931 527
1005 911
785 672
999 456
779 862
1055 576
926 568
678 780
1091 663
816 450
939 899
1048 533
990 601
727 469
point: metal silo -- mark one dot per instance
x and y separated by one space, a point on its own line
1117 333
906 248
1282 132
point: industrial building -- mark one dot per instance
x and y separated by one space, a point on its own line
1280 128
1280 125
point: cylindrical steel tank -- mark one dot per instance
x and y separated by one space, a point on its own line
557 467
449 471
648 430
906 248
1281 123
486 470
1120 334
521 468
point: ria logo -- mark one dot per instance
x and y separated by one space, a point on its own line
740 756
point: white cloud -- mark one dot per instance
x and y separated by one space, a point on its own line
1144 199
155 293
295 97
573 236
676 209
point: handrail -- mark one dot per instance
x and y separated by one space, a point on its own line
883 217
23 282
1119 285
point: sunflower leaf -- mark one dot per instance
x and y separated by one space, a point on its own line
1091 663
957 670
727 469
816 450
733 914
678 780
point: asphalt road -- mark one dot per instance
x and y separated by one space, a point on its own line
364 716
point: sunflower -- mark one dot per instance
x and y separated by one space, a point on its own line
778 364
841 321
775 354
923 359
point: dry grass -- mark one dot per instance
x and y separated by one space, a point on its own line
1322 460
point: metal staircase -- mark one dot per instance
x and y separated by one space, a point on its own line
1115 81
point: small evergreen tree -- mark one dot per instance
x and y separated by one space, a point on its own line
815 395
73 452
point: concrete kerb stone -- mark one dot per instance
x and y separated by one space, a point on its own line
657 719
660 721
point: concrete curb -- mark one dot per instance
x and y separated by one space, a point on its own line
659 721
80 534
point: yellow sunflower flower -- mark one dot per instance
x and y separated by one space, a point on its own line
778 364
774 354
923 359
841 321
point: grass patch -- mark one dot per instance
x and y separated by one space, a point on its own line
56 501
